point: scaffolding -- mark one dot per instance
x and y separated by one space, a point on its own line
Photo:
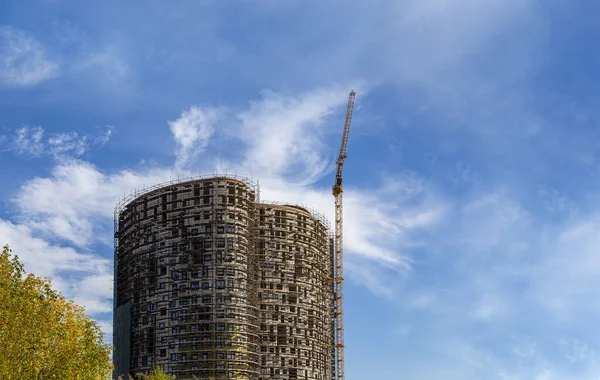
212 283
186 268
295 293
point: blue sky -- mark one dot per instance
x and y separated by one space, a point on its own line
471 180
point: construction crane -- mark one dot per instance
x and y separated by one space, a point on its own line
339 247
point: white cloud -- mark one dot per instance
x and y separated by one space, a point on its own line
507 292
379 230
95 292
103 139
32 141
571 260
62 143
85 277
106 328
23 61
108 64
525 359
577 351
285 135
192 132
77 201
28 141
284 145
43 258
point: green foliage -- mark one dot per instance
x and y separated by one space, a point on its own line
42 335
157 374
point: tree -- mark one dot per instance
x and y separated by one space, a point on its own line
157 374
43 335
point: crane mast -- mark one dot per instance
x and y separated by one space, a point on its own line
339 247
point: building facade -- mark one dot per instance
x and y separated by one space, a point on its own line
295 294
211 283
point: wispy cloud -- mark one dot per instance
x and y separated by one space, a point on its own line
23 60
285 135
35 142
106 69
192 132
28 141
103 139
62 143
75 203
500 286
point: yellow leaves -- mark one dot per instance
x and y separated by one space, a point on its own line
42 335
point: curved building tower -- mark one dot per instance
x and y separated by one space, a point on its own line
295 295
213 284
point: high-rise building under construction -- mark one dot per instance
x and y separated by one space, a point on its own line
212 283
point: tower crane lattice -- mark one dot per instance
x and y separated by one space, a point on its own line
339 247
